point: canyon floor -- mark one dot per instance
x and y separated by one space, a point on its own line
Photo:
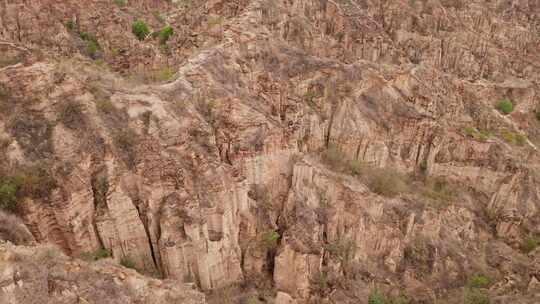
282 152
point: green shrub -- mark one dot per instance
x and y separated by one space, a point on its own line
96 255
140 29
33 181
8 195
514 138
476 296
91 48
478 281
478 135
469 131
92 44
70 25
376 298
120 2
529 244
101 254
505 106
128 263
164 34
537 114
521 140
270 238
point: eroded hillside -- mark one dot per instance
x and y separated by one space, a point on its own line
292 151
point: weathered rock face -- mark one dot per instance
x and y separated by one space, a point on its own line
221 174
44 275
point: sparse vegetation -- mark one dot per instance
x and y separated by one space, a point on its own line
105 106
128 263
13 229
126 141
537 115
514 138
32 181
419 254
140 29
70 25
270 239
319 282
96 255
478 281
383 181
309 97
160 74
164 34
261 194
474 293
343 250
529 244
375 297
92 44
8 194
158 17
386 182
213 21
476 134
336 159
505 106
438 189
71 115
476 296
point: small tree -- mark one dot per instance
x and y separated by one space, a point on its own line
164 34
505 106
140 29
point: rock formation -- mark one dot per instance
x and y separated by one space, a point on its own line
309 151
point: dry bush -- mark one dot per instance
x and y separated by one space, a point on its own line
143 74
438 189
338 161
13 229
33 133
126 142
386 181
72 116
16 183
383 181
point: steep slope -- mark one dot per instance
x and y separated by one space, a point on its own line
43 275
312 150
